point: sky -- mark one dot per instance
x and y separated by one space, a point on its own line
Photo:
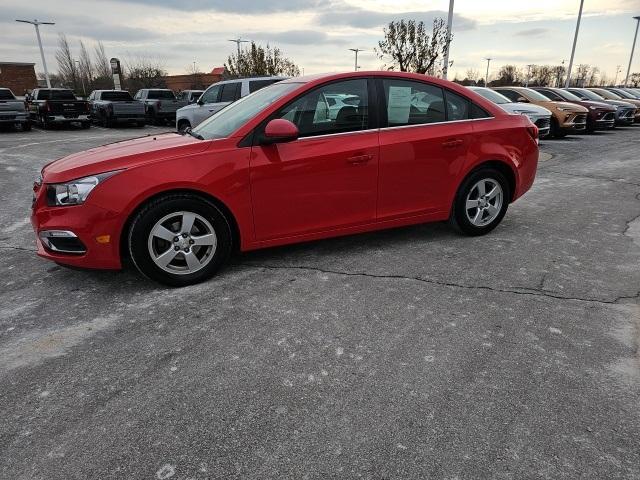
317 34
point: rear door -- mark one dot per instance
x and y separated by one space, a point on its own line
327 178
423 144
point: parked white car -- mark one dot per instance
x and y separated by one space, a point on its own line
218 96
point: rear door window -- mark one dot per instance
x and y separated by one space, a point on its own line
258 84
458 107
412 103
229 92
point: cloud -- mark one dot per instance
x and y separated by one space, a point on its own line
296 37
232 6
79 25
345 15
532 32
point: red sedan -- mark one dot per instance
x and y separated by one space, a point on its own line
303 159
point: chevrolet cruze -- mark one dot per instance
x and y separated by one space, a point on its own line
280 166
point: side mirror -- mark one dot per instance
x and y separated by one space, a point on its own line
279 130
522 100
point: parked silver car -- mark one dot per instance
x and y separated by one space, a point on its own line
218 96
540 116
160 104
109 107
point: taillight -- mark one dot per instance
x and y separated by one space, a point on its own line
533 131
159 105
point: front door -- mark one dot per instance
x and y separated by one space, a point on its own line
327 178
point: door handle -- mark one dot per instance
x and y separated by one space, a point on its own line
359 159
456 142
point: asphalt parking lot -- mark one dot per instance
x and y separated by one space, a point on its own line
410 353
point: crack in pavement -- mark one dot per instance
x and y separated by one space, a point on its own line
593 177
629 222
518 291
22 249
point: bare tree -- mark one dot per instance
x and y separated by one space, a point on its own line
582 72
142 71
101 61
258 60
409 48
634 79
85 67
67 70
541 75
507 75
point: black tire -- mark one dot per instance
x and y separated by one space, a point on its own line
157 209
183 125
85 125
140 124
26 126
459 218
556 131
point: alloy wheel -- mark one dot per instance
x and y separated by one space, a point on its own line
484 202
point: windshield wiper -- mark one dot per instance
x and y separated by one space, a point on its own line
193 134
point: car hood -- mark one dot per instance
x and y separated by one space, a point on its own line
620 103
521 107
570 106
593 103
120 155
186 108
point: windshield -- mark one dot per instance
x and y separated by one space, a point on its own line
492 96
537 96
590 95
567 95
229 119
624 94
116 96
608 94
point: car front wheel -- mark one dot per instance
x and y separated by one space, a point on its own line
481 202
179 240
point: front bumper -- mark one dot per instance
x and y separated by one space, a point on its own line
605 121
91 240
543 122
575 122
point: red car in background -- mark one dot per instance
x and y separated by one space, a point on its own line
285 165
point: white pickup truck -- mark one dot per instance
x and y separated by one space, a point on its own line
12 110
218 96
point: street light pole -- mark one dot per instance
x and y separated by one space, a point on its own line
486 77
573 49
635 37
526 83
356 50
36 24
445 67
84 90
618 70
238 41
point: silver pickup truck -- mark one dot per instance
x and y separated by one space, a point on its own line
12 110
160 104
109 107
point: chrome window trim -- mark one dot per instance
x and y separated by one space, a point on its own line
391 128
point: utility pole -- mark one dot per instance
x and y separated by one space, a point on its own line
445 67
238 41
84 90
573 49
486 77
356 50
635 37
526 83
36 24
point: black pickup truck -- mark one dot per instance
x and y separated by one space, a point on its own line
58 105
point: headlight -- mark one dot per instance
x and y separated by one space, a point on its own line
524 112
564 109
76 191
591 107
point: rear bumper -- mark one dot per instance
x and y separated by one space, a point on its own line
67 118
13 117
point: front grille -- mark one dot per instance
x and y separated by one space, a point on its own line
543 123
627 114
608 116
580 118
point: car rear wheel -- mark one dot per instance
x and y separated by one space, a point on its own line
179 240
26 126
481 202
556 131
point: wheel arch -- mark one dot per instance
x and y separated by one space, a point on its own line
226 211
502 166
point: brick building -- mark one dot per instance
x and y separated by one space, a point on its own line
194 81
18 76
